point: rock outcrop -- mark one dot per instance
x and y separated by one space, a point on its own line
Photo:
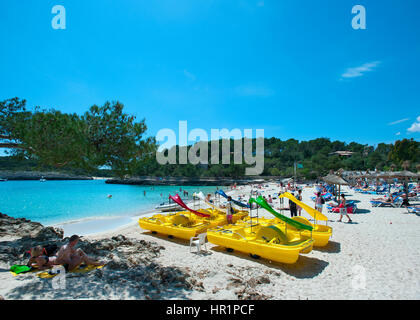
131 265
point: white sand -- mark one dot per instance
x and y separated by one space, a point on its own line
377 257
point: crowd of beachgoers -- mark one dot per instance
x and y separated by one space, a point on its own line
375 256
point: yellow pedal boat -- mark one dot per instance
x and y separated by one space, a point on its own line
187 224
320 233
264 240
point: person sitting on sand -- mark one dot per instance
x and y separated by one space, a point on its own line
40 260
72 257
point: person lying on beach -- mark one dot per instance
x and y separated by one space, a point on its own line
389 199
40 260
72 257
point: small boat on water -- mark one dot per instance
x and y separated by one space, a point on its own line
168 207
3 180
42 179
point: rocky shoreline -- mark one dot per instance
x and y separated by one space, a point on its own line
182 181
36 175
131 266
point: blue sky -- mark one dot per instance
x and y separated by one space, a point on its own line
296 69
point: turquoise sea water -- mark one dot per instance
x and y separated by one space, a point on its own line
55 202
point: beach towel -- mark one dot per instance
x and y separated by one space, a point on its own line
18 269
80 269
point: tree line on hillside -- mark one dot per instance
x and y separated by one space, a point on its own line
313 159
106 141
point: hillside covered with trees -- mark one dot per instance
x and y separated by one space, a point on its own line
106 137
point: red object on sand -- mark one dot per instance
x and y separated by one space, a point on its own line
177 199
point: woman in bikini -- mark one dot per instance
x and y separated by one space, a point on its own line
40 260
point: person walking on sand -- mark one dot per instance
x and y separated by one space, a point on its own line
343 209
281 191
319 201
72 257
299 197
229 210
293 208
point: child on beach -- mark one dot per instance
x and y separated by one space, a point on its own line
319 202
208 198
229 210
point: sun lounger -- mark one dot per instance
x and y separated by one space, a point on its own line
396 203
413 210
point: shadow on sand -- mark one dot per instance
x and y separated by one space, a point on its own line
362 211
167 238
304 268
331 247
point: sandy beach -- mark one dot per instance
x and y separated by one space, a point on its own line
376 257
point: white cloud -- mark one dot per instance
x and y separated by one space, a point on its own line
189 75
398 121
415 127
361 70
398 133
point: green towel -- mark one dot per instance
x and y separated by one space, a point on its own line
20 269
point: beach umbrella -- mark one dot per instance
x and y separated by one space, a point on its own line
336 180
399 175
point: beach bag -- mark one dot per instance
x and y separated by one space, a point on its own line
348 210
